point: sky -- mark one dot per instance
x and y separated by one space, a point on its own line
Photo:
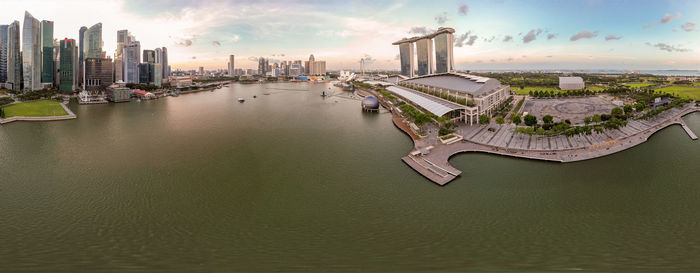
490 34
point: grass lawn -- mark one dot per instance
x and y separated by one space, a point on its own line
696 83
639 85
682 91
527 89
595 88
40 108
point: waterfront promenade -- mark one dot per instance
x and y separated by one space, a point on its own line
503 140
70 115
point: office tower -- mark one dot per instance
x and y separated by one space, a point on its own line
122 40
14 59
157 74
316 67
98 74
130 62
93 42
47 51
424 47
81 55
31 52
406 51
201 70
3 53
56 62
164 60
149 56
158 55
230 66
444 59
146 73
69 67
262 66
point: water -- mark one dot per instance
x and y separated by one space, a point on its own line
294 182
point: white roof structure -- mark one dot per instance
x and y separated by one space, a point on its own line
434 105
460 82
570 80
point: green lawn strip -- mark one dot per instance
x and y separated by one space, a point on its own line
41 108
639 85
682 91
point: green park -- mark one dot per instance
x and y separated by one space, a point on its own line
39 108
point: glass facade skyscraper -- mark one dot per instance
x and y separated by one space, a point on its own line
31 52
3 53
406 56
444 61
93 42
47 51
69 66
424 47
164 60
14 59
81 55
130 62
149 56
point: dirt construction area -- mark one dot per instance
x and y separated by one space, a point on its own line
574 109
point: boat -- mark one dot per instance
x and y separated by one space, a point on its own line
254 96
241 100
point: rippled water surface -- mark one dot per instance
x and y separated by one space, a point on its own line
293 182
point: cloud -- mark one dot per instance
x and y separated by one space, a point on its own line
492 60
421 30
549 56
194 57
463 9
441 18
532 35
647 25
368 59
668 18
667 47
551 36
253 59
488 40
216 43
584 34
612 37
508 38
510 59
689 26
235 38
184 42
465 39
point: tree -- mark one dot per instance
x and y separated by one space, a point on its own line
628 108
597 118
530 120
616 112
500 120
587 120
516 119
484 119
639 107
548 119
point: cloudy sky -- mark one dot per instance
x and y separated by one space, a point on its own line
491 34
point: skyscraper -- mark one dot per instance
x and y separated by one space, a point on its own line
424 47
81 55
230 65
47 51
3 54
159 55
316 67
164 58
31 52
14 59
146 73
130 63
406 51
444 59
262 66
69 67
149 56
98 74
93 42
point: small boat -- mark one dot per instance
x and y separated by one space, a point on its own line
254 96
241 100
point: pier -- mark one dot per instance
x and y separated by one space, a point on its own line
687 130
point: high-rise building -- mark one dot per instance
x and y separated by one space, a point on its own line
424 48
165 67
444 59
130 62
159 55
316 67
14 58
231 67
149 56
56 62
201 70
31 52
122 40
93 42
47 51
3 53
81 54
146 73
98 74
69 67
157 74
262 66
406 52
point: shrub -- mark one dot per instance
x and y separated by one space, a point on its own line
484 119
530 120
500 120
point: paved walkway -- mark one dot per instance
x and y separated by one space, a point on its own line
504 141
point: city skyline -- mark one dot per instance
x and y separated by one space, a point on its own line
489 34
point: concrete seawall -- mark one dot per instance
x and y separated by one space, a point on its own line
70 115
436 167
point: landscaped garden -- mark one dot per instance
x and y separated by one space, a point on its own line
687 92
39 108
639 84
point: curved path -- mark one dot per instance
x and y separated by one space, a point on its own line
436 167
